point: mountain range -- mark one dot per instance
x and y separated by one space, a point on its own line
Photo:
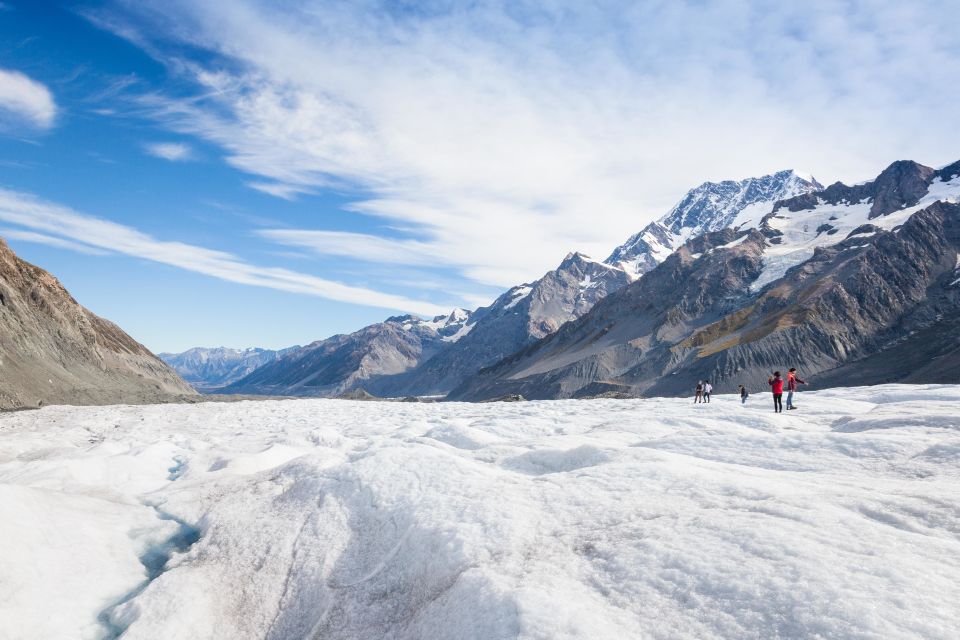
343 363
210 369
518 318
851 284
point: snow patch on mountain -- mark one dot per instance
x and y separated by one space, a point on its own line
450 327
799 233
517 294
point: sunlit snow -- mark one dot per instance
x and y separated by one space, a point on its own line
564 519
802 231
518 294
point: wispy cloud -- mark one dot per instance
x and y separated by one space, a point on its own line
279 189
359 246
51 241
172 151
506 134
26 100
61 226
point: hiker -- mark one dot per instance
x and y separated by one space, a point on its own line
743 394
776 386
707 388
792 382
699 397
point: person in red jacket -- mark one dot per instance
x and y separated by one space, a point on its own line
776 385
792 382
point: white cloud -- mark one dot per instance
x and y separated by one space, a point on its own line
278 189
172 151
51 241
54 224
358 246
506 134
26 99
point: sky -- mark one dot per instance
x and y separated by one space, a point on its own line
271 173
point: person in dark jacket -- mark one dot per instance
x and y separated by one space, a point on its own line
776 386
699 397
743 394
792 382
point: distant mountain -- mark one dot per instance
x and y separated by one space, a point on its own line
209 369
518 318
409 356
343 363
852 284
710 207
53 351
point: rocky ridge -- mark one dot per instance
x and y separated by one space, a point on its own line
841 283
54 351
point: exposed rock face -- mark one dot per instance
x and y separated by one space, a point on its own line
710 207
528 312
877 303
407 356
53 351
900 185
518 318
344 363
207 370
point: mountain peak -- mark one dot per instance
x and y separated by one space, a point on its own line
711 206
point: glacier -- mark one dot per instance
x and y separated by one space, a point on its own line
649 518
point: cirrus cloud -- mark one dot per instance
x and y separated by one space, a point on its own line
49 223
503 134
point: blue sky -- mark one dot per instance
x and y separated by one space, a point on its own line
265 174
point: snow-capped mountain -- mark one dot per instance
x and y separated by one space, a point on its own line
519 317
853 284
710 207
208 369
419 364
406 355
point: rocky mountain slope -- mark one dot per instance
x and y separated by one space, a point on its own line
407 356
516 319
853 284
53 351
710 207
342 363
528 312
209 369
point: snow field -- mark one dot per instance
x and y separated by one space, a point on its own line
564 519
800 235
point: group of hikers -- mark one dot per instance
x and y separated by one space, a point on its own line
703 391
776 382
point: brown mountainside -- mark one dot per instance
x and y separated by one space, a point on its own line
54 351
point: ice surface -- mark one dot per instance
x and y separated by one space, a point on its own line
566 519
